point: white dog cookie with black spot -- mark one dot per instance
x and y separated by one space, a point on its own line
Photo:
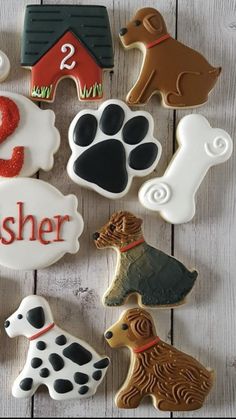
68 366
110 146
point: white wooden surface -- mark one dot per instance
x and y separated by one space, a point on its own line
205 327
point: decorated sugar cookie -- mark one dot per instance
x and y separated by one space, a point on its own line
156 278
38 224
181 75
66 41
4 66
200 147
110 146
174 380
68 366
28 136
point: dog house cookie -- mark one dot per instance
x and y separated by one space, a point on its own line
110 146
200 147
156 278
181 75
66 41
38 224
174 380
4 66
28 136
68 366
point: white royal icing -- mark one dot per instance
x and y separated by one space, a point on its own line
4 66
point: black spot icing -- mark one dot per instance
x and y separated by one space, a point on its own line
102 364
62 386
83 390
81 378
26 384
20 316
85 130
105 165
36 317
36 362
56 361
112 119
44 372
77 353
97 375
135 130
143 156
41 345
61 340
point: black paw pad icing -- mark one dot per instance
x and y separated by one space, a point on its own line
110 146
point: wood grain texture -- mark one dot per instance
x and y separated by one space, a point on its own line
74 285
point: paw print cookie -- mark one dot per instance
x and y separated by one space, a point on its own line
66 365
110 146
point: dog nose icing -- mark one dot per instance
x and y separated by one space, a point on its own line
6 324
123 31
108 335
96 235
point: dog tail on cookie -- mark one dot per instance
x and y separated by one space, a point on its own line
215 71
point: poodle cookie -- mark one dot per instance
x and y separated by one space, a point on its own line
201 147
28 137
110 146
38 224
66 41
181 75
69 367
157 279
4 66
174 380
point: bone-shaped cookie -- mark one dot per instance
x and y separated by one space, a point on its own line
201 147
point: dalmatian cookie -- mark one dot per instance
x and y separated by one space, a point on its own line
38 224
68 366
61 41
28 137
4 66
174 380
200 147
110 146
156 278
181 75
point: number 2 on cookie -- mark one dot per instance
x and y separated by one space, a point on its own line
63 64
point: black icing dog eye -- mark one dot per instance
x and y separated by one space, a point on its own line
137 22
19 316
124 326
112 227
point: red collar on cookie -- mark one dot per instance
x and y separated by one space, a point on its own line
147 346
158 41
42 332
131 245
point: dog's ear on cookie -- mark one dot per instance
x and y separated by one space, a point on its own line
36 317
154 23
142 327
130 224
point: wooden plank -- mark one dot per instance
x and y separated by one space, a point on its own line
74 286
206 327
14 284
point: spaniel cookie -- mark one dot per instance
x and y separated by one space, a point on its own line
180 74
157 278
69 367
174 380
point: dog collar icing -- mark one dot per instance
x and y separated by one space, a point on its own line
42 332
131 245
147 346
158 41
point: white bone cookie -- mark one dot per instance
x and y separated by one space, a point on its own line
4 66
68 366
201 147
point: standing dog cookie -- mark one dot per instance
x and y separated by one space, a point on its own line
180 74
174 380
157 279
69 367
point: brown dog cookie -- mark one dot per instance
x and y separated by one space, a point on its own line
157 278
180 74
174 380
